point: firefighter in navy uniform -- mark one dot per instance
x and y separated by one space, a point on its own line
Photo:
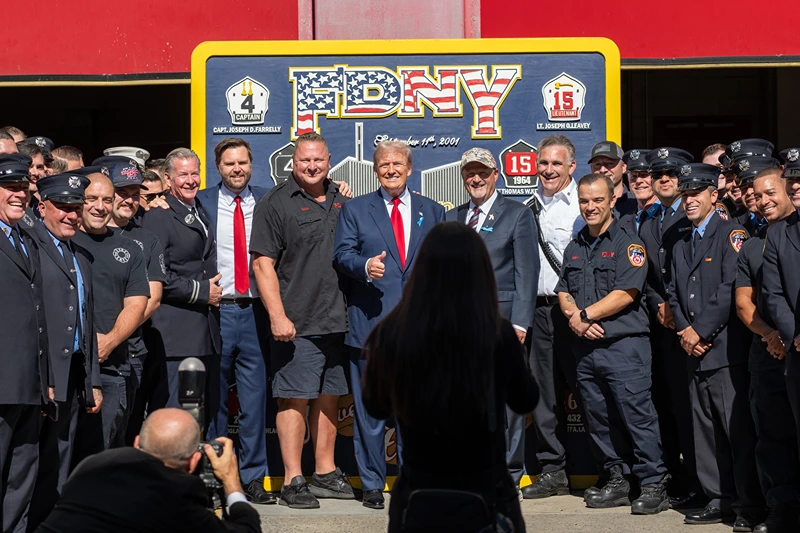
776 449
641 186
600 293
749 149
781 284
701 292
670 380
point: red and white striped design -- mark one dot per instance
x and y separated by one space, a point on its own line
418 84
488 99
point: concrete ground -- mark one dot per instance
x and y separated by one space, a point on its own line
557 514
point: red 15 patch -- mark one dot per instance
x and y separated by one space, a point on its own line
737 238
636 255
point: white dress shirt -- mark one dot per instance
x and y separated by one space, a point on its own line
225 207
560 222
483 211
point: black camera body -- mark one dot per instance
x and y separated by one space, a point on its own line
204 470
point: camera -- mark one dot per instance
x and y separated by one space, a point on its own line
191 392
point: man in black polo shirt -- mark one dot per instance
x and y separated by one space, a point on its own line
128 187
600 293
121 292
292 246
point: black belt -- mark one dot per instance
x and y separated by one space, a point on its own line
241 302
542 301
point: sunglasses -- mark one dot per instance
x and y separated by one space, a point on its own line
153 195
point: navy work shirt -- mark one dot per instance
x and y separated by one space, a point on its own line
614 261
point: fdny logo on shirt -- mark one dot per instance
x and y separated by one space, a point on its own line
722 211
161 264
140 243
636 255
606 254
337 205
122 255
737 238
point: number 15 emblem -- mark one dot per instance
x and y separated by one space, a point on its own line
518 165
564 98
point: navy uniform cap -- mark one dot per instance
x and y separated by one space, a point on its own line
636 160
746 168
123 175
791 162
749 148
66 188
725 160
697 176
91 169
14 168
668 158
42 142
111 160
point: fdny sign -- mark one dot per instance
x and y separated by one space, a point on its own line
342 91
438 97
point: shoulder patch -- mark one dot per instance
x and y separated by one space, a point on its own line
737 238
722 211
636 255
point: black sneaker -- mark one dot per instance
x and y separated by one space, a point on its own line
255 493
614 494
297 496
653 499
331 485
546 485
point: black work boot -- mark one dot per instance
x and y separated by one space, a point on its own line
613 494
546 485
653 499
602 479
782 518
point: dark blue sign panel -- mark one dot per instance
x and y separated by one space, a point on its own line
439 97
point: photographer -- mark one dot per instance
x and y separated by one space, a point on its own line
150 487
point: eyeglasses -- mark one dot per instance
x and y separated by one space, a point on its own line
153 195
656 174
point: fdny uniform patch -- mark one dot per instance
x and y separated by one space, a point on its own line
738 236
636 255
722 211
122 255
606 254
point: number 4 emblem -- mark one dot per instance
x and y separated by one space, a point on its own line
248 102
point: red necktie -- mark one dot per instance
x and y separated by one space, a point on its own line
241 274
399 232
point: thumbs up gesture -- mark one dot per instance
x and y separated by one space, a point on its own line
375 266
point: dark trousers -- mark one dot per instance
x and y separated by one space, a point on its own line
515 444
245 347
725 439
19 463
776 448
671 399
368 432
56 448
553 368
614 380
144 370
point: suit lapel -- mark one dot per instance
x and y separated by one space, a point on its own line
493 215
793 230
417 220
182 214
705 242
377 210
11 252
50 249
210 208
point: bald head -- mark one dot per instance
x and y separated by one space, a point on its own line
171 435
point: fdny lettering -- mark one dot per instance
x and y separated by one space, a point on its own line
337 205
606 254
574 257
342 91
304 209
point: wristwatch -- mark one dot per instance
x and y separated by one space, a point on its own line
584 316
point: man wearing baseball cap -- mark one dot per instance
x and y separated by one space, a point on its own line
509 230
704 265
607 159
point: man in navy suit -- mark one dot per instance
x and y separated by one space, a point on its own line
509 231
244 325
376 239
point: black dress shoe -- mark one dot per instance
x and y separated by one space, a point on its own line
693 500
782 518
709 515
373 499
255 493
745 523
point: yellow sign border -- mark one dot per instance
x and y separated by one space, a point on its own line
205 51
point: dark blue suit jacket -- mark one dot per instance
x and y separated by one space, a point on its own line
510 234
209 198
364 231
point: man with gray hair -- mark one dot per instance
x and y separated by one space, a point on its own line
150 487
187 323
376 242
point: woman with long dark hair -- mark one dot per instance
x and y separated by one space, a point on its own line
444 363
